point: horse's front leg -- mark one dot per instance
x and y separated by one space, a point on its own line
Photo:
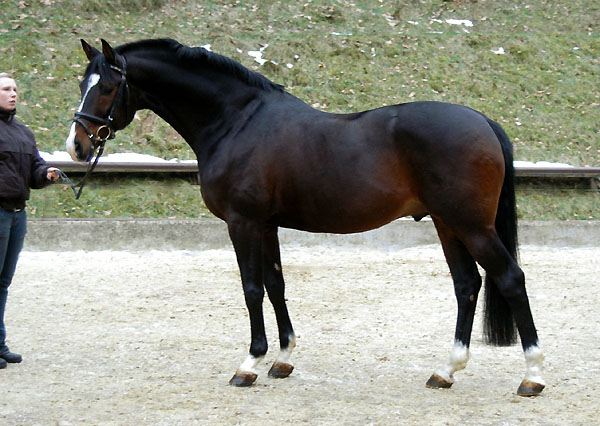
248 245
274 283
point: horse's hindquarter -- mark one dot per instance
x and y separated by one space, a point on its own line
455 158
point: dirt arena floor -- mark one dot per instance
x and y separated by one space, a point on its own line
153 337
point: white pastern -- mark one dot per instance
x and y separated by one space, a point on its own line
285 355
250 363
458 361
70 142
534 358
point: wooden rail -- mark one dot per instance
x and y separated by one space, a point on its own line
191 167
127 167
558 172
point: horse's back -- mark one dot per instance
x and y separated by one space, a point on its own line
448 125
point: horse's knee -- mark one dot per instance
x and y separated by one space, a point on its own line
254 295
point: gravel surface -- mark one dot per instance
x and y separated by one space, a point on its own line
152 338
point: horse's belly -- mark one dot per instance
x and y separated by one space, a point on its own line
344 218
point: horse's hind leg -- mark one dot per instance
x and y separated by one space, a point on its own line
467 283
503 272
274 283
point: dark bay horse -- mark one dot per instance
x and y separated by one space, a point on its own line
267 160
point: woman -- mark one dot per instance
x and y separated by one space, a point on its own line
21 168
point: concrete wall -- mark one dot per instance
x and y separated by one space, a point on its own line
202 234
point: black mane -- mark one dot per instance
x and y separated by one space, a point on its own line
193 57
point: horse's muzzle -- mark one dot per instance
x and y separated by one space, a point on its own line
81 152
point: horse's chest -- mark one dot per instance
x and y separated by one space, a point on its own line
230 191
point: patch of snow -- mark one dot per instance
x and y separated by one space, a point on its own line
464 22
55 156
540 164
257 54
132 157
121 157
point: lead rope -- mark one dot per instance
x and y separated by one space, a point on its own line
81 183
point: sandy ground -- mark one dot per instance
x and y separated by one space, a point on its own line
141 338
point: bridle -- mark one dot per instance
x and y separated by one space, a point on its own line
106 129
103 133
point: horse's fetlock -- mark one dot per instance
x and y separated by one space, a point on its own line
259 350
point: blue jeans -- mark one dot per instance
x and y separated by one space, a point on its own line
13 227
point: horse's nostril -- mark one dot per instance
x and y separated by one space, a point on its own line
78 149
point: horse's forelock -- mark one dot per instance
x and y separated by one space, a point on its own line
99 66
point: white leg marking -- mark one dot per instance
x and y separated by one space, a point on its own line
534 358
70 142
286 354
250 363
458 361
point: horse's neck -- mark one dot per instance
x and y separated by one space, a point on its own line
201 109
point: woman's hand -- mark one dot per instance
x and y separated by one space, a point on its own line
52 174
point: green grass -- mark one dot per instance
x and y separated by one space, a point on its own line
346 56
111 197
559 201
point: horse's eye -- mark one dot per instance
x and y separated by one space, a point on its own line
105 89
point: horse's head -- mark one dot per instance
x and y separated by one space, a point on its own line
104 106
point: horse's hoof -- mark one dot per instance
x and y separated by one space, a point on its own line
243 379
281 370
437 382
529 388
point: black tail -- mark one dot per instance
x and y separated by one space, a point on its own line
499 326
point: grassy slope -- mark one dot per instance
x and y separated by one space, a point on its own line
346 56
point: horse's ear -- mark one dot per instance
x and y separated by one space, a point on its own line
109 52
90 52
